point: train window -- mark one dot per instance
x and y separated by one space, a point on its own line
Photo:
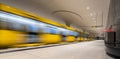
70 33
84 35
75 33
17 27
24 28
64 32
44 29
3 25
52 30
9 26
40 30
48 29
58 31
32 28
0 24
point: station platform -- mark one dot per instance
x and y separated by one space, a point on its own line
83 50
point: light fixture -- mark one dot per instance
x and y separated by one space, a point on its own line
87 7
91 14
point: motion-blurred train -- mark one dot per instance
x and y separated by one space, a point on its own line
19 28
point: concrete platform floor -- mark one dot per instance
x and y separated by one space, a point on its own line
82 50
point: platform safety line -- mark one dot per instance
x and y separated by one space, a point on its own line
34 47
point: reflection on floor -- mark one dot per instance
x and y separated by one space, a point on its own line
82 50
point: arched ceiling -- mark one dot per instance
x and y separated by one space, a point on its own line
90 15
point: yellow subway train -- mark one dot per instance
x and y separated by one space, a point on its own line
19 28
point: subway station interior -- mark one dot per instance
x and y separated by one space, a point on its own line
59 29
